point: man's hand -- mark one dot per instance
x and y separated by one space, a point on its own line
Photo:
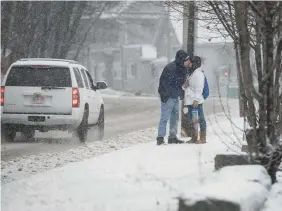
163 99
186 84
195 104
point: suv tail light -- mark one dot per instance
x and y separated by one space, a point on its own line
2 95
75 98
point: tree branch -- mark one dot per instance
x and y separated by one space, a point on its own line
276 63
256 10
222 19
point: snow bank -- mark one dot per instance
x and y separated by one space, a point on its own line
30 165
274 202
145 177
248 196
248 173
244 186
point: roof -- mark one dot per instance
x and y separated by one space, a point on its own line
116 11
45 61
135 10
148 52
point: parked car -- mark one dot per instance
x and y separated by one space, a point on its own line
50 94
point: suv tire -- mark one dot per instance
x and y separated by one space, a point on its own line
82 129
9 133
101 123
28 134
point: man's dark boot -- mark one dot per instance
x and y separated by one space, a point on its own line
160 140
175 141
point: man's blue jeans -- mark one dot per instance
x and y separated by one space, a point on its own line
169 111
202 120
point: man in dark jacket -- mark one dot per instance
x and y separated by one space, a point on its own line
170 90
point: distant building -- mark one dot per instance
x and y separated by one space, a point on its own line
6 60
219 64
125 42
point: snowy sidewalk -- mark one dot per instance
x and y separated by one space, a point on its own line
143 177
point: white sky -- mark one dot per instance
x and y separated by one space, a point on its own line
203 34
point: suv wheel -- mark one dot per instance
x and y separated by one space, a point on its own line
9 133
82 129
29 134
101 123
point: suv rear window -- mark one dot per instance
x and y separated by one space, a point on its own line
78 78
39 76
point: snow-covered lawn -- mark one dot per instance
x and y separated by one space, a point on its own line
142 177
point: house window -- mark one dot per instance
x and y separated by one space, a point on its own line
154 71
117 70
134 70
203 59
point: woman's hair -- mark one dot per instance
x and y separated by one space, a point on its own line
196 62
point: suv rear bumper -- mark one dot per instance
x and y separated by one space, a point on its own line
51 121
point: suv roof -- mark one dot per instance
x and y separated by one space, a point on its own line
49 59
45 61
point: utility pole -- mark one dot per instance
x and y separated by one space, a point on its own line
189 46
89 66
168 34
123 63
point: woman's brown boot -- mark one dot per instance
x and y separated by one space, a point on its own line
203 136
194 136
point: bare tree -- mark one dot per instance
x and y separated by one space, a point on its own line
44 29
254 27
96 12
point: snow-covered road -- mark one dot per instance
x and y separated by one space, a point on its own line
121 112
124 114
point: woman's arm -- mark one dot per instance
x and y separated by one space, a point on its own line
198 82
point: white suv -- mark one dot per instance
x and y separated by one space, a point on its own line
50 94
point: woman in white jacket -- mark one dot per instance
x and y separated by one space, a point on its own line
194 99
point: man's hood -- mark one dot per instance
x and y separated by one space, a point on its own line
181 55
